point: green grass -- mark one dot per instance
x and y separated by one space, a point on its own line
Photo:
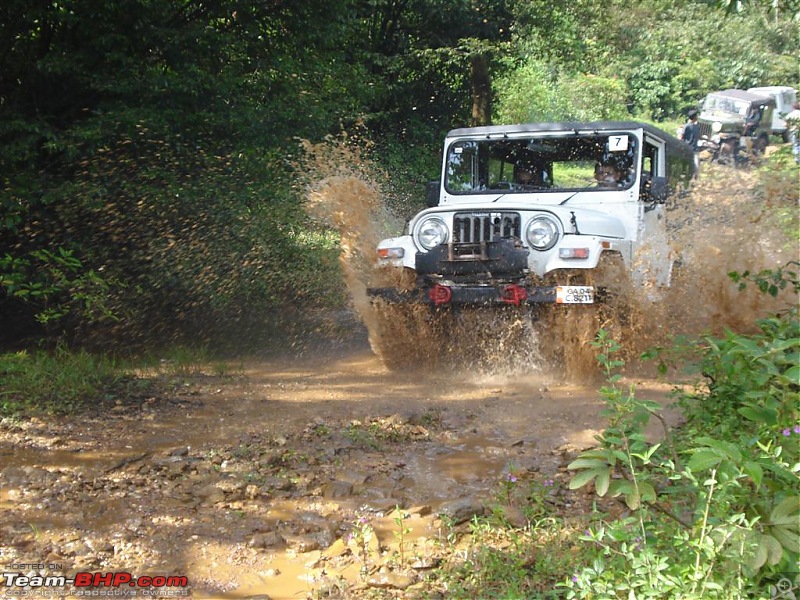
58 382
64 381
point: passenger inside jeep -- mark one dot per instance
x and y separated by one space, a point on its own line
753 119
608 175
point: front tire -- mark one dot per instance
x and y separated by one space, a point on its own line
760 145
727 153
405 336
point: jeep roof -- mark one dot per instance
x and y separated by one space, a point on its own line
560 126
771 89
745 96
674 144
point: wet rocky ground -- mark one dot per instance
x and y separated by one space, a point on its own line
291 478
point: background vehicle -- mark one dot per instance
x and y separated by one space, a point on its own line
785 98
735 124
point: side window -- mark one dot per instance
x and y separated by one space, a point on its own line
653 165
652 159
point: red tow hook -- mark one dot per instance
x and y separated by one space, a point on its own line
513 294
440 294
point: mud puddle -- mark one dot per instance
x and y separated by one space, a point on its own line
287 477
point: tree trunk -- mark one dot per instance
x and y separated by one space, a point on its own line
481 90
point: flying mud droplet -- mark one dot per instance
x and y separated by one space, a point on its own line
343 193
726 224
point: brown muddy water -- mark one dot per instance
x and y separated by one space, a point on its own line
256 485
327 474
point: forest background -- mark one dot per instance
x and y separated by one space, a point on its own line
151 191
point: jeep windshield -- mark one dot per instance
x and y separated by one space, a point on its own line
725 106
541 164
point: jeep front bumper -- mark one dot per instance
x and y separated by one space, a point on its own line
509 294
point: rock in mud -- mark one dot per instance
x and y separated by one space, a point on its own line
303 543
426 562
390 579
211 495
266 539
337 548
515 517
462 510
337 489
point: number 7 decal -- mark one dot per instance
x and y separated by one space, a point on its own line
617 143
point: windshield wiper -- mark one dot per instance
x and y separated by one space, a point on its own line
568 198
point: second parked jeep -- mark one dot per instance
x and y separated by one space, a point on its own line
735 124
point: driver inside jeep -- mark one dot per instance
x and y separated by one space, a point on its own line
528 176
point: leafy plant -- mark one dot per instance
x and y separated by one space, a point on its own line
715 511
363 542
401 533
55 284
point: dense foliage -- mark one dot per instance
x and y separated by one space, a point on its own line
147 147
715 512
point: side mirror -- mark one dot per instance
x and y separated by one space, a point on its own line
432 194
659 190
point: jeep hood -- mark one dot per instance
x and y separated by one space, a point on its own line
589 222
724 118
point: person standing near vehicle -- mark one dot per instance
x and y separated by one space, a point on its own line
691 135
793 125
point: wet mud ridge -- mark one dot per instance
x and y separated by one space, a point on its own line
291 477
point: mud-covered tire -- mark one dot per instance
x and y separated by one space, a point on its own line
727 153
760 145
405 336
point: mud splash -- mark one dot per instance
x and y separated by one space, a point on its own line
344 194
716 228
726 224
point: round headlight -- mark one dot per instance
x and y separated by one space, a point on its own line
716 127
431 232
542 233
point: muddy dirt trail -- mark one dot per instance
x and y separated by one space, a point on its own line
257 484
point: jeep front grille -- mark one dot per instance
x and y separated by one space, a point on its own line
705 130
479 227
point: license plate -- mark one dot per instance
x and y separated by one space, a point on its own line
574 294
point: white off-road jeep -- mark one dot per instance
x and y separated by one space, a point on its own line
525 214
